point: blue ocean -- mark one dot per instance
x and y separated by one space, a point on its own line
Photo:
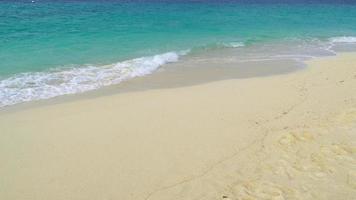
50 48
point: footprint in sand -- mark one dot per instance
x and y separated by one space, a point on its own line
340 152
289 140
261 190
320 162
285 168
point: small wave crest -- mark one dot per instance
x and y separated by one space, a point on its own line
44 85
344 39
233 44
217 46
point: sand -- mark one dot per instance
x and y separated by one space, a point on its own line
290 136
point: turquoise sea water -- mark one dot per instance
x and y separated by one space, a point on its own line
50 48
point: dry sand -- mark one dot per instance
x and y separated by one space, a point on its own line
289 136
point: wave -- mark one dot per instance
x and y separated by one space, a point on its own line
32 86
44 85
233 44
216 46
344 39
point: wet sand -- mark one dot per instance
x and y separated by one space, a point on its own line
189 71
288 136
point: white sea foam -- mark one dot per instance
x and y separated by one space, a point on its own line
234 44
344 39
44 85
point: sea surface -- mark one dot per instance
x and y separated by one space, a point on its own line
50 48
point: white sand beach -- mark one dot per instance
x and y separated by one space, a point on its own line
290 136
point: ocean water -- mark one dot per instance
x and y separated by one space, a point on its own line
50 48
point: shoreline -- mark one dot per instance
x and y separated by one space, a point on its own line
166 70
287 136
185 73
